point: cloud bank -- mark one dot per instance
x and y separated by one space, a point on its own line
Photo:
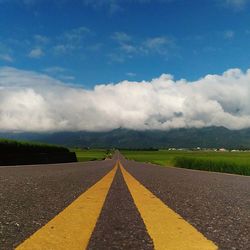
30 101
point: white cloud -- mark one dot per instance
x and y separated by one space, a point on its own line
117 57
71 40
6 52
118 5
131 74
40 39
126 47
129 46
59 73
6 58
36 53
25 2
77 34
158 44
61 49
33 102
229 34
235 4
67 77
121 37
55 70
112 5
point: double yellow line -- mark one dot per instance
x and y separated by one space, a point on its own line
72 228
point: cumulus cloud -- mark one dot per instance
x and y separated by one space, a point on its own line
36 53
36 102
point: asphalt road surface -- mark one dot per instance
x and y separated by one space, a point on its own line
218 205
30 196
215 205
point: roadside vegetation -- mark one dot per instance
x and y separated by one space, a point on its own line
26 153
18 147
91 154
30 152
225 165
227 162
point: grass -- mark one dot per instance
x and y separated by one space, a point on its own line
230 165
91 154
227 162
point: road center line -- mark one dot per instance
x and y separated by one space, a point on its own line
167 229
72 228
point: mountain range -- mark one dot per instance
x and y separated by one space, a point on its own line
209 137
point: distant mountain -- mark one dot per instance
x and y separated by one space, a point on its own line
210 137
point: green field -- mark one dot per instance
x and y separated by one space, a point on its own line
229 162
161 157
91 154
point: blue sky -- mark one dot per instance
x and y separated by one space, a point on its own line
101 65
91 42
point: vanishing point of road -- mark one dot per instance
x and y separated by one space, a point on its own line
122 204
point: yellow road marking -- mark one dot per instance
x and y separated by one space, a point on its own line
72 228
166 228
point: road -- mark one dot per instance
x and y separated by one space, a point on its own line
121 204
